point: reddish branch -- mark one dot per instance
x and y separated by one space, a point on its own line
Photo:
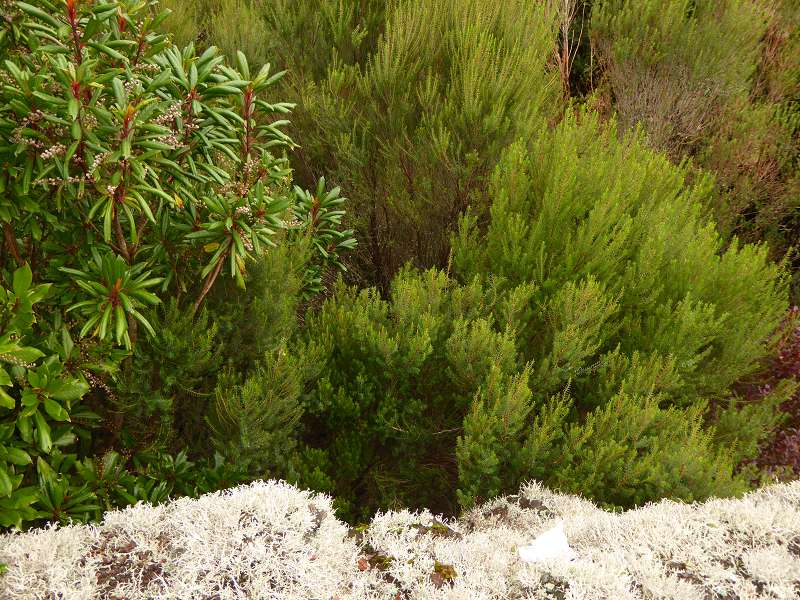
212 277
247 115
72 19
11 243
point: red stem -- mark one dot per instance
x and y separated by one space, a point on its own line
11 243
72 18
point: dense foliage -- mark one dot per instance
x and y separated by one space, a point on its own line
575 221
132 171
718 82
410 122
590 340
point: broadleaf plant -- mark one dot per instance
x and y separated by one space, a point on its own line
131 171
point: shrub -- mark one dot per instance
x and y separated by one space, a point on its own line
635 296
673 65
39 479
39 403
133 172
590 337
155 154
718 82
327 31
413 134
397 377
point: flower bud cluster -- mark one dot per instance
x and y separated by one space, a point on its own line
54 150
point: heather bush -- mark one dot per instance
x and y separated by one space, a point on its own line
398 376
718 82
715 81
590 336
636 304
673 65
328 31
417 129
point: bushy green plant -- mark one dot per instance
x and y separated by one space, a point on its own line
155 155
327 31
397 377
637 300
132 172
253 411
416 131
717 81
590 336
167 383
39 400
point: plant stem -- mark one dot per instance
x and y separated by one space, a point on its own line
11 243
212 277
123 245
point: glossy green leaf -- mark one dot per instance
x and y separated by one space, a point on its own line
6 487
68 390
23 277
42 433
17 456
55 410
6 401
39 14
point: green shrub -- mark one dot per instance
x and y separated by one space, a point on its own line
133 172
305 38
673 65
590 337
397 378
413 134
39 401
163 391
39 478
637 301
156 155
717 81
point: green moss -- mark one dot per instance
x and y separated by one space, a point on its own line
381 562
447 572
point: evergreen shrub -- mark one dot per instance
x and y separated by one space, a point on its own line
590 337
718 82
414 133
325 31
133 173
715 81
639 303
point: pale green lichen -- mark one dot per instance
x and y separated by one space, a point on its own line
744 548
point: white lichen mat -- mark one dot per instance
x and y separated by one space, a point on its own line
270 540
